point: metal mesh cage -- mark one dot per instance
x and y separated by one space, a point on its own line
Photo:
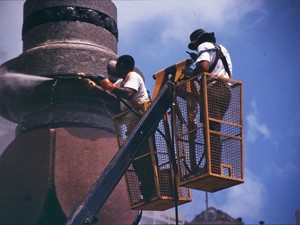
150 178
209 135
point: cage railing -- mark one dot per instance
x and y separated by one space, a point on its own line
209 132
150 177
207 123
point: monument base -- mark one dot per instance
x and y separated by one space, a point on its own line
46 174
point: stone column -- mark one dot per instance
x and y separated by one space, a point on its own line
65 135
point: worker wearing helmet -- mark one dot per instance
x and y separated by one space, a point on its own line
214 59
130 87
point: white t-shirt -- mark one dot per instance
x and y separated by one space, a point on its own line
134 81
210 56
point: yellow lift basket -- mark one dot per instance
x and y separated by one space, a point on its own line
209 132
208 128
150 177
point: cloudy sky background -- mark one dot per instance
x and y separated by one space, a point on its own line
263 38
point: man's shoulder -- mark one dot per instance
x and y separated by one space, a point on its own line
205 46
132 78
134 75
224 50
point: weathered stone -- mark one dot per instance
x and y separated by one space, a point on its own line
65 135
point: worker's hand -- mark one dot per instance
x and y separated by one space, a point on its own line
106 84
80 75
89 83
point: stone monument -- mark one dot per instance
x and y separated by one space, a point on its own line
64 137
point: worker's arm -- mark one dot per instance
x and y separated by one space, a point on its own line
201 67
126 93
121 92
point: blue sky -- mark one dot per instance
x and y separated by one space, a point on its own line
263 38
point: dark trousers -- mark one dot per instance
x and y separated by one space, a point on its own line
144 170
142 162
219 95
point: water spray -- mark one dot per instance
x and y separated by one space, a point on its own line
13 81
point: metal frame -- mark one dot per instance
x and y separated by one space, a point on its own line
208 180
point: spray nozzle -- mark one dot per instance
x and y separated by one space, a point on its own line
97 77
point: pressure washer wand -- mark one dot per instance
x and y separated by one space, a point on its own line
95 78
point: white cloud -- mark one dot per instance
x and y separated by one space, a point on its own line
11 13
255 127
246 200
281 170
180 17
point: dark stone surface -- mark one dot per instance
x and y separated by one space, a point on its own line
55 49
56 102
24 170
65 137
106 6
77 32
70 14
61 59
84 35
79 173
53 169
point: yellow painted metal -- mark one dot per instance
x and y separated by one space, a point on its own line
162 76
150 178
195 161
198 165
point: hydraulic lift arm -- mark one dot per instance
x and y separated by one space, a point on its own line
85 214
